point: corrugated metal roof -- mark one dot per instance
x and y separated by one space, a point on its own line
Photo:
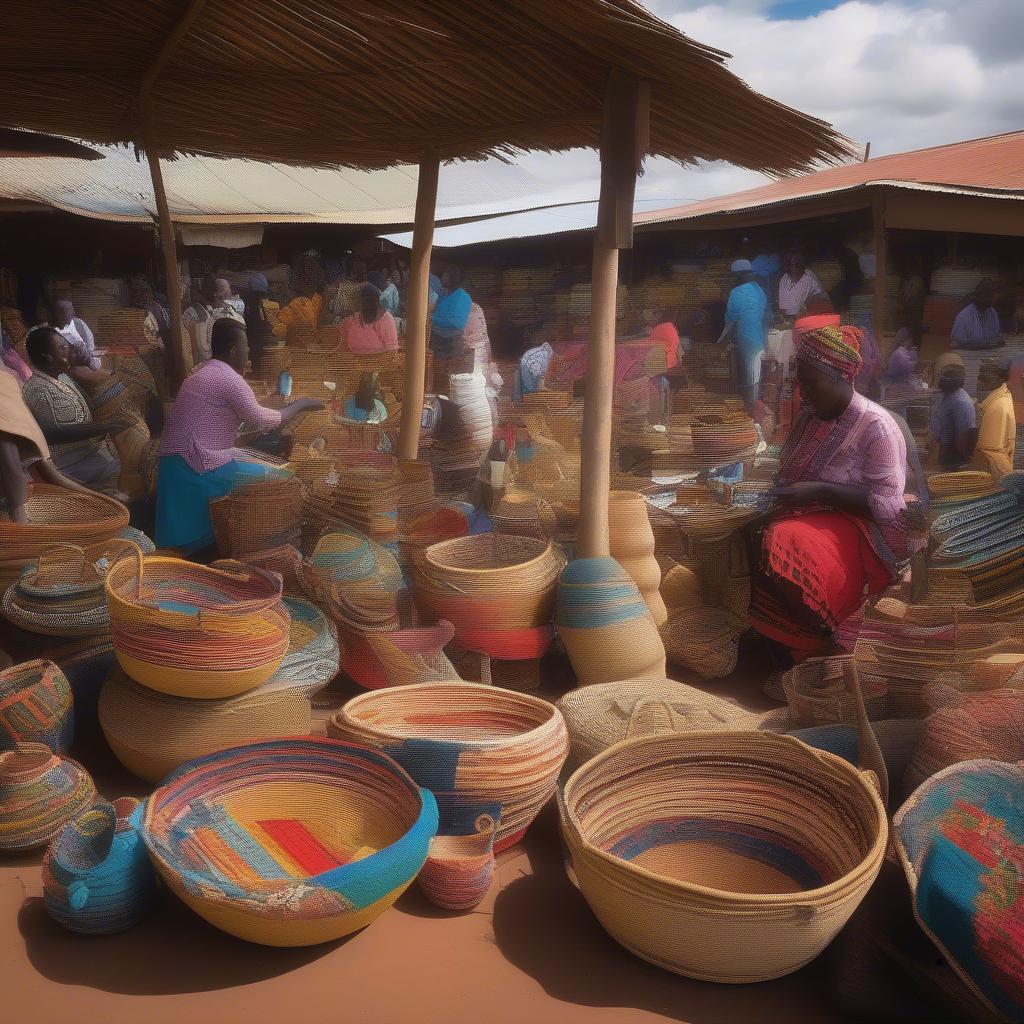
991 165
204 190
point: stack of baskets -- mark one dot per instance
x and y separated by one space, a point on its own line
498 590
152 733
57 516
459 448
365 495
290 842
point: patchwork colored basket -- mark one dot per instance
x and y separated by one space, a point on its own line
193 630
604 714
97 878
479 749
57 516
960 839
36 706
732 857
400 658
40 792
498 590
605 625
153 733
290 842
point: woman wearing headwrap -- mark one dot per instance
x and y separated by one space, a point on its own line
837 532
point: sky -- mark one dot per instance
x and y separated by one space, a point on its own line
902 74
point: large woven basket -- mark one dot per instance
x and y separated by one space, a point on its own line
196 631
258 516
36 706
152 733
405 656
818 693
731 857
57 516
97 878
480 749
40 792
290 842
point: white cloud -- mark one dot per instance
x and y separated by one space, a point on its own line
902 74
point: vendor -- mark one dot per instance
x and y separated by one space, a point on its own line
79 446
977 324
451 312
797 286
902 365
371 329
997 424
838 530
745 316
953 419
198 457
23 451
85 364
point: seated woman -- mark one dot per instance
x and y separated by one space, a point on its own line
371 329
838 532
79 445
23 451
997 426
304 309
198 457
85 364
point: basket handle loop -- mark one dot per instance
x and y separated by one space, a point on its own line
869 753
60 563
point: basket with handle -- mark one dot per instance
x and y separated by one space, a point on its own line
196 631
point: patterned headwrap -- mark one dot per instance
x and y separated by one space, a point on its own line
835 350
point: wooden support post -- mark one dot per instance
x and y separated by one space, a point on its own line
878 304
624 141
416 332
180 350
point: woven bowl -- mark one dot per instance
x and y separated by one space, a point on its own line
481 749
36 706
290 842
193 630
731 857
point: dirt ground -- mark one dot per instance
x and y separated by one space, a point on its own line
531 952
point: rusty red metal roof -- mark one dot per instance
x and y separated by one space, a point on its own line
989 165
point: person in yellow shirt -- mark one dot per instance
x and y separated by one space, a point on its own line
997 426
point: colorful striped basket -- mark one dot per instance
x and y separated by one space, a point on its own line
40 792
459 870
605 624
404 656
732 857
290 842
153 733
193 630
97 878
480 749
36 706
960 840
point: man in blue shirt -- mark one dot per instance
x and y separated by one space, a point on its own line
954 420
451 312
745 317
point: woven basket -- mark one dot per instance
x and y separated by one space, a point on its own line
524 514
400 658
57 516
731 857
290 842
196 631
631 544
97 878
36 706
818 693
482 750
704 640
680 588
152 733
605 625
40 792
459 869
959 841
600 716
262 515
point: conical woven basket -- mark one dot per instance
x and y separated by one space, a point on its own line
196 631
480 749
290 842
731 857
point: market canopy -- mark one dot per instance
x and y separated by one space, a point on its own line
326 84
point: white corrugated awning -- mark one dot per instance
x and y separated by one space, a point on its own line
525 224
202 190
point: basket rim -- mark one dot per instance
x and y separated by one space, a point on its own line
874 855
430 553
528 700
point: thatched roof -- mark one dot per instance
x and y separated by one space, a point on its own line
328 83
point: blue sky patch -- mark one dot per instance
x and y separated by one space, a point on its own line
797 10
